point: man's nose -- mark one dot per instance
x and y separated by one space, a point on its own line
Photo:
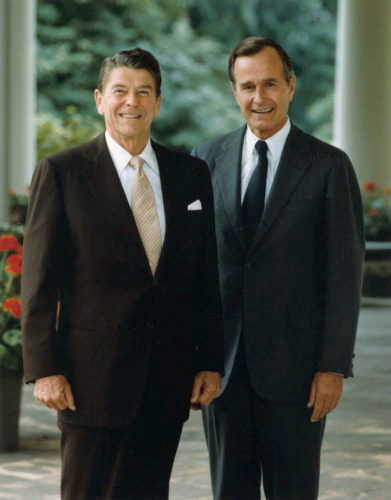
131 98
258 97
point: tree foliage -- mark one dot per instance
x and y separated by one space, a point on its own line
60 132
192 41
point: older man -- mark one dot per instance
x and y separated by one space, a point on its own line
290 246
120 231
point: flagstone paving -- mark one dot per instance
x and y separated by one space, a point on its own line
356 458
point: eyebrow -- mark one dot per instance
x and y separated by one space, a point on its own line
146 87
244 84
250 82
123 85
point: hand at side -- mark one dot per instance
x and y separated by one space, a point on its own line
205 388
54 392
326 392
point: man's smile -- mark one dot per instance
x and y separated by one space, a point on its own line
263 111
128 115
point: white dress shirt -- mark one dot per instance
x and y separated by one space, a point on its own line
275 145
121 159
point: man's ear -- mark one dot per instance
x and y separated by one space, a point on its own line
292 84
157 106
98 101
233 88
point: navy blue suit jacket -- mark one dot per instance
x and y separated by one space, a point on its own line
294 295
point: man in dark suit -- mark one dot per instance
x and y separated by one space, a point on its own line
290 246
120 231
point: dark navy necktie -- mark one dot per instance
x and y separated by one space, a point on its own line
254 199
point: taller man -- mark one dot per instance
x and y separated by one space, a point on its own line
290 246
120 230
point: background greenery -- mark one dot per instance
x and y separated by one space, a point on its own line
192 40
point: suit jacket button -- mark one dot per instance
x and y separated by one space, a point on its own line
248 265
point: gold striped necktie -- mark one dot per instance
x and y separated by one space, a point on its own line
145 213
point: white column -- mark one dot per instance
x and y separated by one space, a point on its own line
17 108
3 113
362 114
21 92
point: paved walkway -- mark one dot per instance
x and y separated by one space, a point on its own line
356 460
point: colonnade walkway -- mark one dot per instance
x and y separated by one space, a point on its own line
356 459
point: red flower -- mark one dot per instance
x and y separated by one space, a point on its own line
14 306
8 242
14 262
370 186
19 251
372 212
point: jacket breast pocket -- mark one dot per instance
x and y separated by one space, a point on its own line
304 203
193 223
194 216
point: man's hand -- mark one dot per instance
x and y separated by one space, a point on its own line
205 388
54 392
326 391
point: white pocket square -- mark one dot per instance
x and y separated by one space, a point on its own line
196 205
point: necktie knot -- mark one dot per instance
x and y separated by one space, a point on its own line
137 163
261 147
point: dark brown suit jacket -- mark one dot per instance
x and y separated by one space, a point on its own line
82 248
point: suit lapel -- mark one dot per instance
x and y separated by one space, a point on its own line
295 161
105 186
168 183
226 176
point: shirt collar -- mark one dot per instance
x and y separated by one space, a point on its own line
121 157
275 143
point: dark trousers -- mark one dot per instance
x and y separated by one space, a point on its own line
250 439
130 463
